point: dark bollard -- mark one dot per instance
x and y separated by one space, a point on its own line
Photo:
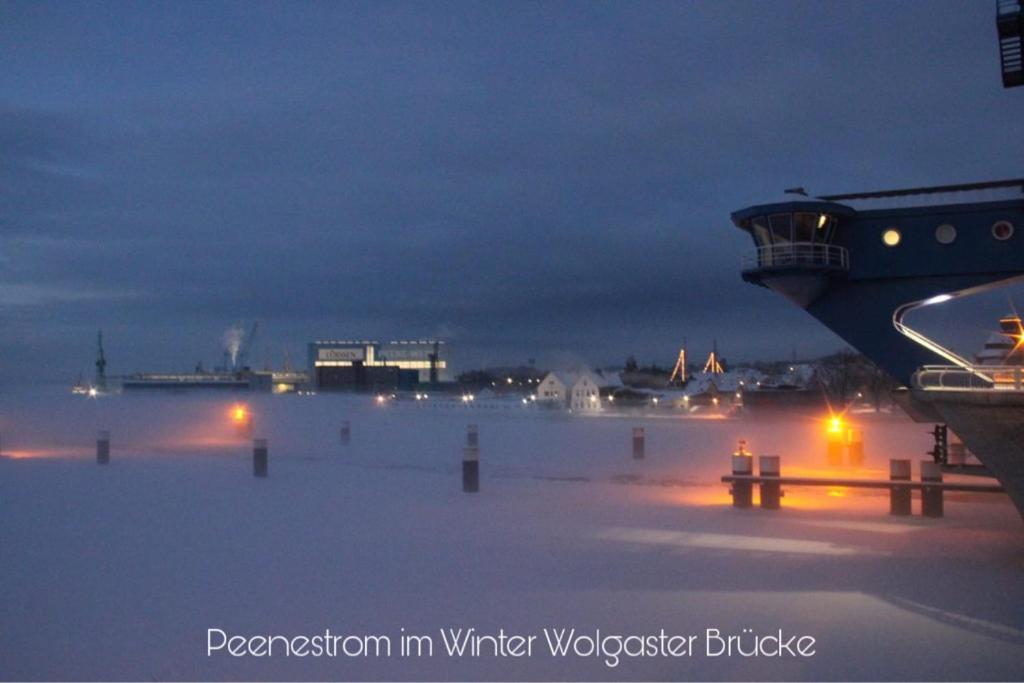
472 437
103 448
771 491
346 432
471 469
855 447
742 491
834 448
899 496
259 458
638 443
931 496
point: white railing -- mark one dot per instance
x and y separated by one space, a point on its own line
798 255
971 378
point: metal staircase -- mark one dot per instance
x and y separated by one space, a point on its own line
1010 24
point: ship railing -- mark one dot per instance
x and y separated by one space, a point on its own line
970 378
797 255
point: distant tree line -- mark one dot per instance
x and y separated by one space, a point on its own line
845 374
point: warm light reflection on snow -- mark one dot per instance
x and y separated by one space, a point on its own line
42 453
720 541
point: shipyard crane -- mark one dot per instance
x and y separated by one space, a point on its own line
101 364
242 359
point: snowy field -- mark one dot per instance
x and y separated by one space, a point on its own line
118 572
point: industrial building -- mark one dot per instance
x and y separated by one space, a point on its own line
373 365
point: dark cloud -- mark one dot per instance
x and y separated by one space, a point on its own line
533 180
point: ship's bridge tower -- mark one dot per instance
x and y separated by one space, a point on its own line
860 263
795 254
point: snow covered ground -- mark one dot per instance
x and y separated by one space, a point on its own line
119 571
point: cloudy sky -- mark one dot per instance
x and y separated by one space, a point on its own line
547 180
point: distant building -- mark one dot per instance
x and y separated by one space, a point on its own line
277 381
579 391
720 388
372 365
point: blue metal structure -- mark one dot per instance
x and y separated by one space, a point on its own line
1010 26
860 262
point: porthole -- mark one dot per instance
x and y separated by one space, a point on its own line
945 234
1002 230
891 237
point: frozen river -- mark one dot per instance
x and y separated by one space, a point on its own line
120 571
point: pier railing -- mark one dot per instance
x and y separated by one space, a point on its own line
797 255
970 378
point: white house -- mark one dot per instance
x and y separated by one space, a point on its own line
579 391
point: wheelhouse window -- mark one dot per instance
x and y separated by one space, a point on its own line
782 228
759 229
788 228
805 226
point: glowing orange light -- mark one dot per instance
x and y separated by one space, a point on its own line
1019 342
239 414
835 424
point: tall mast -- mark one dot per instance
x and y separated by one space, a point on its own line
101 364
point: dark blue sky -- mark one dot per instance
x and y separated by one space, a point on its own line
548 180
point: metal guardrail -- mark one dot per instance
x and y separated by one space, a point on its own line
797 255
970 378
864 483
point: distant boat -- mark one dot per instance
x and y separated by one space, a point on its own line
187 380
1005 346
79 387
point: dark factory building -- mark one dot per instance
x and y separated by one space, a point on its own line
373 366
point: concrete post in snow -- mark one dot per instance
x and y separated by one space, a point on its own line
259 458
931 497
771 491
471 469
638 443
899 496
103 448
855 447
742 491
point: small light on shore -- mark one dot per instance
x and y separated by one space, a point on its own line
239 414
